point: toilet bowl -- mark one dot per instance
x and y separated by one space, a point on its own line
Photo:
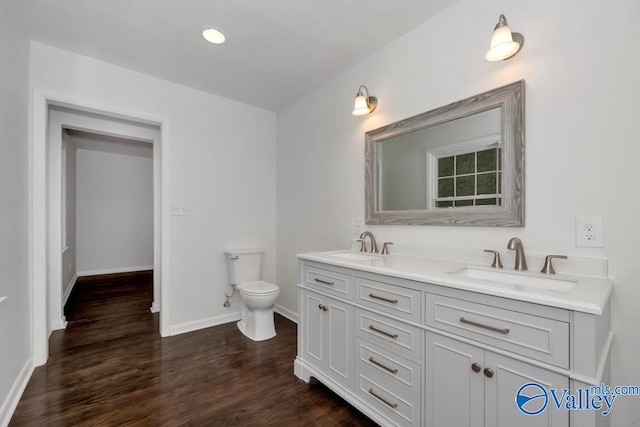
258 299
257 296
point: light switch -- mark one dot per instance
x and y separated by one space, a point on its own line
177 209
358 226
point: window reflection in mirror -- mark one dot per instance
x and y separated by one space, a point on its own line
453 164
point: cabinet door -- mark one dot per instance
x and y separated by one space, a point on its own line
500 394
314 329
454 391
340 340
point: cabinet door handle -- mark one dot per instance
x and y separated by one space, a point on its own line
323 307
373 328
375 362
503 331
392 301
475 367
324 282
488 372
382 399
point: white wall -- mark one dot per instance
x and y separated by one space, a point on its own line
582 93
114 212
221 166
15 325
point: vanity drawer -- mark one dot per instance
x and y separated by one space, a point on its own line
397 370
396 335
396 300
328 282
537 337
402 409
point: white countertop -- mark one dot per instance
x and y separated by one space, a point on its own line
589 294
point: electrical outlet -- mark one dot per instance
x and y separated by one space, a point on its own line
589 232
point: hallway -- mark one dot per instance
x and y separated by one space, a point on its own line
111 367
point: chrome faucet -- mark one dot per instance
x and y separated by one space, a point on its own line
521 261
374 246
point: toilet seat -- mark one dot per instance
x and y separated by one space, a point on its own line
258 288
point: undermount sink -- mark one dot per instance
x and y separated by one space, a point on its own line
354 256
519 279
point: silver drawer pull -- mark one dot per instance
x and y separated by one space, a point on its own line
324 282
503 331
392 301
375 362
373 328
382 399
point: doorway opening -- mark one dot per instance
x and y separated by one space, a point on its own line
107 205
69 139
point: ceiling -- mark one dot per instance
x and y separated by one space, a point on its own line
276 50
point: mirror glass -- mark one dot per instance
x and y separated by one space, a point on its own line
461 164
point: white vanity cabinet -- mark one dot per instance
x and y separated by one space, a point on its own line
388 382
467 386
363 339
389 366
471 386
411 353
327 326
329 345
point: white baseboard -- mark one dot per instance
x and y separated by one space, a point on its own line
70 286
57 324
155 307
15 393
283 311
225 318
183 328
115 270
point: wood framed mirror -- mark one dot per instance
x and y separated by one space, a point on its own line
460 164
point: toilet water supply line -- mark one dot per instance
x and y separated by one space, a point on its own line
226 303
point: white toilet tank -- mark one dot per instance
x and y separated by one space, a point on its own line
244 265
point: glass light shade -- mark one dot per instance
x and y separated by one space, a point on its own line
502 44
213 36
360 107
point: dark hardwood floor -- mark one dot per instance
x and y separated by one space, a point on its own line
110 367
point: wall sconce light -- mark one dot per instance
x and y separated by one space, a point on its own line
504 43
364 104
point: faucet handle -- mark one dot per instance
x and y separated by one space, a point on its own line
548 267
362 246
496 258
385 248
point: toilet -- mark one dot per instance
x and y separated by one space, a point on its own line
258 297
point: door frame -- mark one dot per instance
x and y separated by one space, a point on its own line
41 252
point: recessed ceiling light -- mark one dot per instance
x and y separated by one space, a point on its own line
213 36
